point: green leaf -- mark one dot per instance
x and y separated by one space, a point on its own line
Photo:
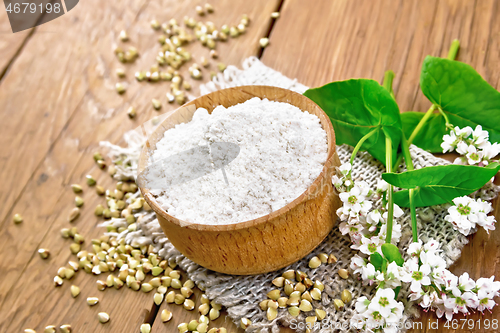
430 135
396 292
377 260
355 108
439 184
465 97
391 253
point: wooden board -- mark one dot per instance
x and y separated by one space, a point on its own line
337 40
59 107
10 44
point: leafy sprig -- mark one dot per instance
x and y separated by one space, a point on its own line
365 115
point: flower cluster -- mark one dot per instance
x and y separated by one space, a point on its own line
391 278
367 227
344 182
473 145
466 213
431 284
382 313
438 289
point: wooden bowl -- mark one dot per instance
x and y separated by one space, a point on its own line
266 243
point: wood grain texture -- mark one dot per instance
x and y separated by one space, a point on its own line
10 43
60 100
267 243
337 40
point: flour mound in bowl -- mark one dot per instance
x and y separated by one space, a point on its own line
282 150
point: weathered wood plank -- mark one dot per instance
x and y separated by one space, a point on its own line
80 108
365 38
39 97
10 43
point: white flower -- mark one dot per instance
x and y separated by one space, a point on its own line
462 215
396 232
462 148
345 168
354 230
473 155
490 150
442 310
428 299
488 285
337 182
357 264
415 248
464 132
473 145
374 319
480 137
460 302
397 212
449 279
483 208
355 201
381 313
383 302
449 142
468 212
431 245
362 304
393 275
487 289
418 276
433 260
368 272
357 321
465 283
485 302
374 218
382 185
460 160
371 245
458 138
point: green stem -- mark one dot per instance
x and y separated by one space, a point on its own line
448 124
452 53
409 167
421 123
417 129
360 143
390 208
413 215
387 84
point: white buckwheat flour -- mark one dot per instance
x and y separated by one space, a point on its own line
282 151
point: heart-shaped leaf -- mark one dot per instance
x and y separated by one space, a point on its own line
391 253
356 107
439 184
377 261
465 97
430 135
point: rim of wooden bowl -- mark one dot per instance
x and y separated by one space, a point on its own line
250 91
